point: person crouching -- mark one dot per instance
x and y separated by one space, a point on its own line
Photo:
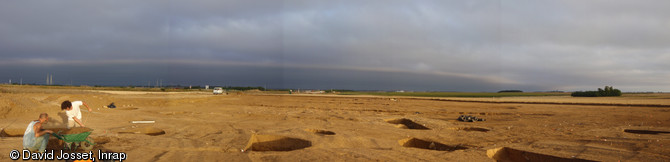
35 138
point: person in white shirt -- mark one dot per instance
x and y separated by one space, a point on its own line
73 112
35 138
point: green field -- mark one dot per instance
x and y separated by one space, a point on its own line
457 94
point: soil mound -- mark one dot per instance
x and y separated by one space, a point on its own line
10 132
75 130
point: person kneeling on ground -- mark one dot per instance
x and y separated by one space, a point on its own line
35 138
73 112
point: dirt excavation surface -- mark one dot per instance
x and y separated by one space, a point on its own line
198 126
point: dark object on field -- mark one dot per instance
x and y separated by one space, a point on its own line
111 106
468 118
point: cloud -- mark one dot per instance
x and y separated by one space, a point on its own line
467 45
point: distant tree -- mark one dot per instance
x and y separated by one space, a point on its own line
608 91
245 88
503 91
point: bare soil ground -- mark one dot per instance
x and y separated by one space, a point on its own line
244 127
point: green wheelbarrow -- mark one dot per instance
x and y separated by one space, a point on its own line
73 141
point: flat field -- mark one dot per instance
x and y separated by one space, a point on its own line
457 94
199 126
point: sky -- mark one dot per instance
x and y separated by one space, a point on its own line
423 45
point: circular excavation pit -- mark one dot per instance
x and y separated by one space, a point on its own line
406 124
275 143
429 145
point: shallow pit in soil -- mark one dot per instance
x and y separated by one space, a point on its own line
429 145
638 131
275 143
320 132
510 154
406 124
